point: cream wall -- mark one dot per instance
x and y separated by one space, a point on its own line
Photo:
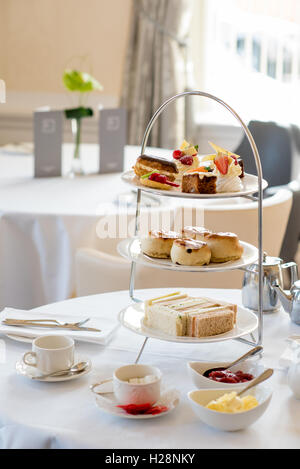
39 37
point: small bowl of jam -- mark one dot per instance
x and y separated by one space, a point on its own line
238 376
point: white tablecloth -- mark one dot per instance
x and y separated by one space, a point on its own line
43 221
64 415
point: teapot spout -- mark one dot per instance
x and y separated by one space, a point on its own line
286 299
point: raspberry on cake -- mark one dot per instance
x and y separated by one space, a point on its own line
157 181
186 157
145 164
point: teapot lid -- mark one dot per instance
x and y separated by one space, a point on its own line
269 261
296 285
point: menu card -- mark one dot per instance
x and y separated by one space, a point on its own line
112 139
48 136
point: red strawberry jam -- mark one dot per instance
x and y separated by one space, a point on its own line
227 376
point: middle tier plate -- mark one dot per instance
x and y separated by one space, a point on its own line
131 249
132 318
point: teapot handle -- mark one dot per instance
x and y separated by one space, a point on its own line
294 270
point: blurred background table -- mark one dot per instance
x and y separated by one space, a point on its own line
43 221
49 247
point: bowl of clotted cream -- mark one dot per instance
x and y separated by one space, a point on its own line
224 410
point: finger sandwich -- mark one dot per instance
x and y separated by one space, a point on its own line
178 314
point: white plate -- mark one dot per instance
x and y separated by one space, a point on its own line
107 403
132 318
250 186
131 249
31 372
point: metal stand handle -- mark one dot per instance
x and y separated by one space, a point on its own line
259 198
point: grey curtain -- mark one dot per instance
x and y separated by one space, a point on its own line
155 70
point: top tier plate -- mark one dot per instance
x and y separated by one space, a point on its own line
250 186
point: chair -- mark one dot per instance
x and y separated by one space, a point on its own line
104 270
277 146
274 144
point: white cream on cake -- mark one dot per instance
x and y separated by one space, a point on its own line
230 182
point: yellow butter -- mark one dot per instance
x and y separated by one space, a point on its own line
231 403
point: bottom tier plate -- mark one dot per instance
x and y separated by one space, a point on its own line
132 318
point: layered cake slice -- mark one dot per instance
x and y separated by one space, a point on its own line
199 182
178 314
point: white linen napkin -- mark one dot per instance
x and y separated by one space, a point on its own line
106 325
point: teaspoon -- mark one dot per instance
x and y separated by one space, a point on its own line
77 368
250 353
265 375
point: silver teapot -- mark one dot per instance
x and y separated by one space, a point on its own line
290 300
272 276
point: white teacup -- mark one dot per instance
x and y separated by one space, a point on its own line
51 353
134 393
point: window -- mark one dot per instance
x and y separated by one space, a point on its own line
251 56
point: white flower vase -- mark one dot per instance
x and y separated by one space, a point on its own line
76 165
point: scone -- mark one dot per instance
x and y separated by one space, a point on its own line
190 252
158 244
224 246
195 232
146 164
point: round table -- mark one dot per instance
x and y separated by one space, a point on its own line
64 415
44 220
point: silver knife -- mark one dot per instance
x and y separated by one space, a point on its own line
21 323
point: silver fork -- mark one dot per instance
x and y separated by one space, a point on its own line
77 324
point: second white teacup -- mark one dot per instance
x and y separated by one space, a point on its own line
51 353
129 392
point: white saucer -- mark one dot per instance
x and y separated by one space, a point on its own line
108 402
31 372
21 338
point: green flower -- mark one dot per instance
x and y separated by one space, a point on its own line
80 81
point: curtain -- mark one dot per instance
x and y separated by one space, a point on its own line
156 69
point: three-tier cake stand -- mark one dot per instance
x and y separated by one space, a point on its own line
129 248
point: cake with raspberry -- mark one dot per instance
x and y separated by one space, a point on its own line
146 164
186 158
158 181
